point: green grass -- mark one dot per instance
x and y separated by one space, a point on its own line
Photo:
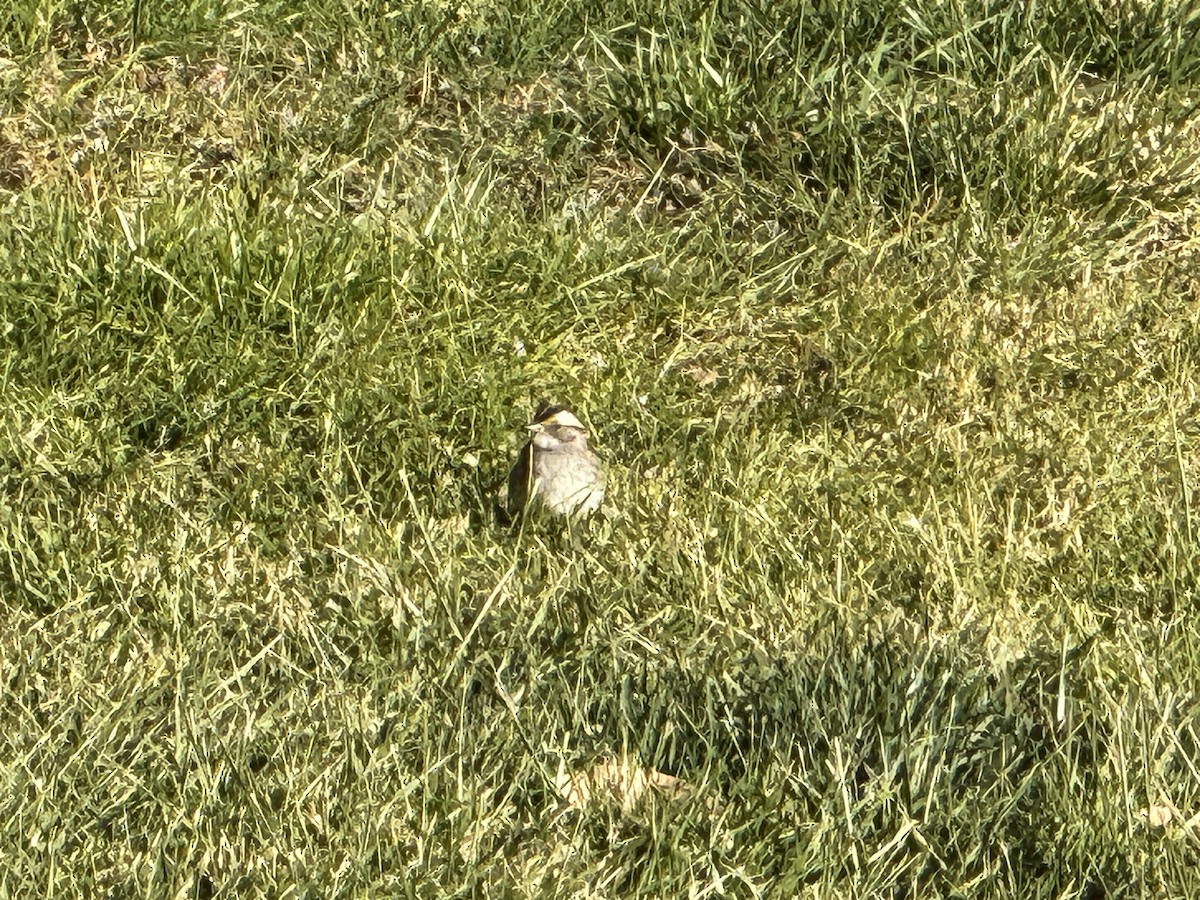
884 318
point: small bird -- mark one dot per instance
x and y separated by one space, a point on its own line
556 470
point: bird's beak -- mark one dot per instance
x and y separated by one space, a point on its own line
536 428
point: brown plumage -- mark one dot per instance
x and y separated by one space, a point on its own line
556 470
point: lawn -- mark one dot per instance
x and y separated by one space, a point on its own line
885 319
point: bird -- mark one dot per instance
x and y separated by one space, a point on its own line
556 470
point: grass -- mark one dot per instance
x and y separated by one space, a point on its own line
884 318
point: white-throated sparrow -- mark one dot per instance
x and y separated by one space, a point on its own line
556 469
